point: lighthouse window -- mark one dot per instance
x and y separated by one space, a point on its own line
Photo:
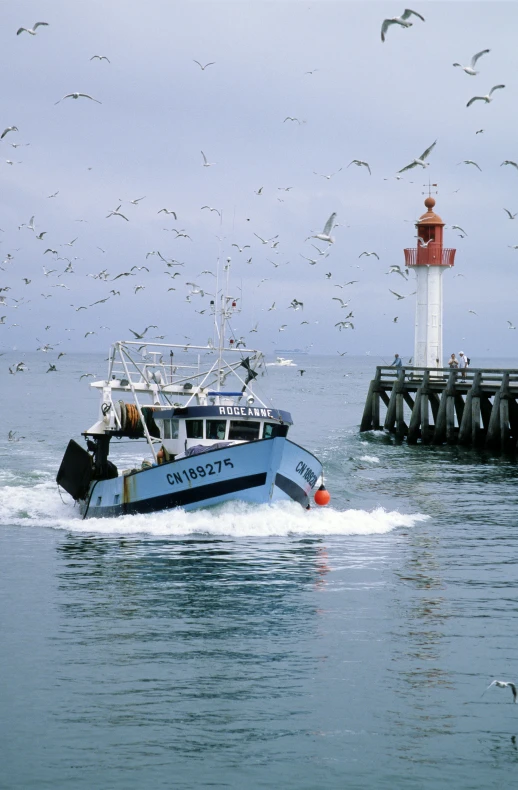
242 430
194 429
271 430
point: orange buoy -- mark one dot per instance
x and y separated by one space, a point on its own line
322 496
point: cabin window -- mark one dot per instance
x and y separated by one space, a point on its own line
216 429
272 429
194 429
243 430
170 429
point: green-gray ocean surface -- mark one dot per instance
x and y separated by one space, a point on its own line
257 647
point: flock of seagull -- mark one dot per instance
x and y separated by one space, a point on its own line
61 274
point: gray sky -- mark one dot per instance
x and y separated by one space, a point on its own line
383 103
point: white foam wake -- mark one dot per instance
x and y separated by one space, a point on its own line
40 505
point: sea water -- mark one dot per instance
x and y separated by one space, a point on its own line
348 646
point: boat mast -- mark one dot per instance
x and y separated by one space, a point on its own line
222 321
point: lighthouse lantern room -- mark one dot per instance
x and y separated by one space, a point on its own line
429 260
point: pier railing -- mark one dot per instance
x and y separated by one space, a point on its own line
476 406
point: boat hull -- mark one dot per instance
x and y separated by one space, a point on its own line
265 471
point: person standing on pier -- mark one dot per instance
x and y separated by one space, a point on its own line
453 362
463 363
398 362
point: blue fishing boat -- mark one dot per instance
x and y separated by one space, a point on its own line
208 435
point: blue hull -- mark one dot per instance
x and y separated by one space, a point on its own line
265 471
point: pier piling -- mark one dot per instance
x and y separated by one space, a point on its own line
439 405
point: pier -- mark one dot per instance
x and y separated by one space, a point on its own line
438 406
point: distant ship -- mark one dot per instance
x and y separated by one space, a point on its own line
283 362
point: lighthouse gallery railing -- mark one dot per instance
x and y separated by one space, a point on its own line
429 256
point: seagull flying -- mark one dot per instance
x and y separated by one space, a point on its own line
511 325
420 160
469 162
397 295
471 68
399 20
265 241
502 684
511 216
9 129
395 269
31 30
321 252
369 254
212 63
116 213
326 233
325 176
205 162
140 335
487 98
76 96
509 162
360 164
100 57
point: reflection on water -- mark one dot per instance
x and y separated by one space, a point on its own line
188 632
420 660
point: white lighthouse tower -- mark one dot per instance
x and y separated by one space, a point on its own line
429 260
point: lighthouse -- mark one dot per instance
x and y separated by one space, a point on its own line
429 260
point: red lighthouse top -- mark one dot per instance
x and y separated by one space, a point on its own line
429 250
